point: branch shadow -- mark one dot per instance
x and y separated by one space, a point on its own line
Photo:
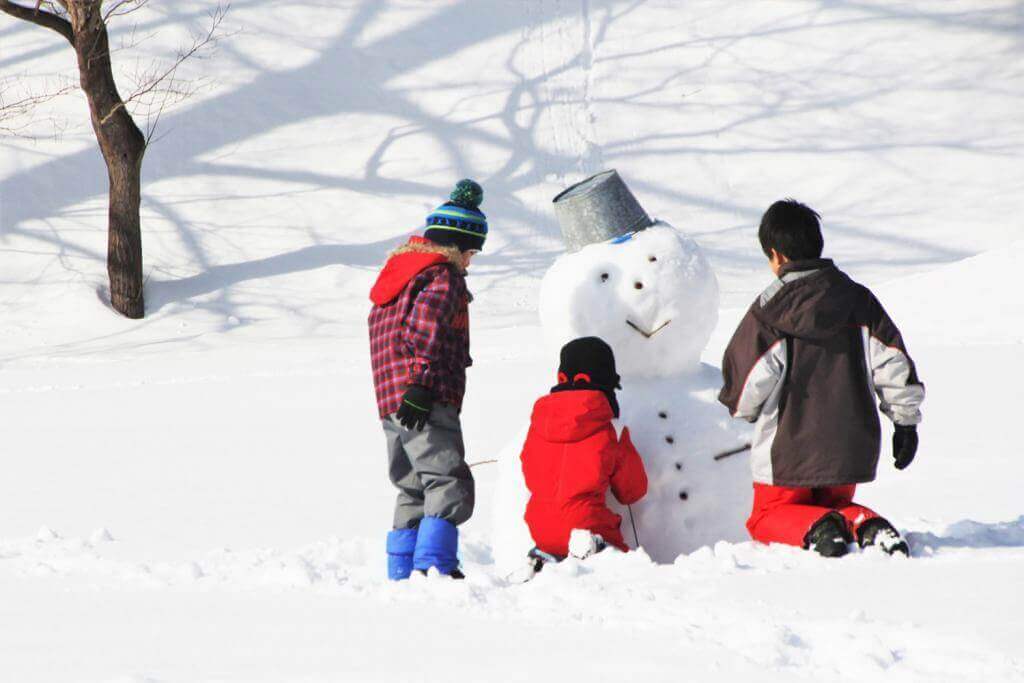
532 242
217 277
81 175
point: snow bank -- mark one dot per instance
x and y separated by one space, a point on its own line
973 301
690 599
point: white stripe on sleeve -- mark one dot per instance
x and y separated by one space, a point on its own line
766 374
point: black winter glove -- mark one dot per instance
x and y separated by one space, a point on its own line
417 402
904 445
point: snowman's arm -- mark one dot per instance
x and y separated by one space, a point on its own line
753 366
423 334
629 480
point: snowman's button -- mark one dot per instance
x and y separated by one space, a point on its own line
679 466
638 285
663 415
670 439
604 277
652 259
683 495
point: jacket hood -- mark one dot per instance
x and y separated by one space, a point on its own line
408 261
571 416
811 300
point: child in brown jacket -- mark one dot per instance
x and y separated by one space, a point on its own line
805 364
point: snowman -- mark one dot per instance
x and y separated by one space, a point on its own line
648 291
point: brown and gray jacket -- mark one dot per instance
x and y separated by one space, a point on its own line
805 364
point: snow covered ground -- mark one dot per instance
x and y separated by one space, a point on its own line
200 496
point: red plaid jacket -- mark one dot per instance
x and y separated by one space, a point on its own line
419 325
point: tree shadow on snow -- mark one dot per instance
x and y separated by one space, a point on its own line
213 124
162 292
356 75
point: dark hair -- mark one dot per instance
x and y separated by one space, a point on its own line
792 229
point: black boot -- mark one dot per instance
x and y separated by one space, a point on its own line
828 537
535 561
878 531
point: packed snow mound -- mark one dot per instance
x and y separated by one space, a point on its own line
653 298
966 302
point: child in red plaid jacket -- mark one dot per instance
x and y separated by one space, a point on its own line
419 349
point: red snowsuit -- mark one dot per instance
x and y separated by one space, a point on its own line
571 457
783 514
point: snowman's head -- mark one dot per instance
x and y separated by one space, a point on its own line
653 298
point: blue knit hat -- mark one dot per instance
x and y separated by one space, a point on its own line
459 222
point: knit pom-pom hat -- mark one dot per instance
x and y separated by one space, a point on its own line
459 222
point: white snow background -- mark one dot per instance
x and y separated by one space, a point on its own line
201 495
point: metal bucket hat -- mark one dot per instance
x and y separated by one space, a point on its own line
598 209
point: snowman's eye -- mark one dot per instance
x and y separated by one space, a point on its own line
652 259
604 277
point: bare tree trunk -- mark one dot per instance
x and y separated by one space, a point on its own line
123 146
83 23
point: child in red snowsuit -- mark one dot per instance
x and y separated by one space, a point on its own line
573 456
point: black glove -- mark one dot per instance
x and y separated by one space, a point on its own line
904 445
417 403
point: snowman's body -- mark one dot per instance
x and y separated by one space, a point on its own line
653 298
692 499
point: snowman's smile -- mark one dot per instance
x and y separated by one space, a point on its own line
645 333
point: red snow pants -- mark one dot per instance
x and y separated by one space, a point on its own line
784 514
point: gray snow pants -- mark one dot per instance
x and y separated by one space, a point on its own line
429 469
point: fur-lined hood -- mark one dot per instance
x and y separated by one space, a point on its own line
415 246
408 261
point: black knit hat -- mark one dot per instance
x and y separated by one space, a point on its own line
459 222
588 363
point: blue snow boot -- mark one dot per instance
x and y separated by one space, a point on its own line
437 545
401 546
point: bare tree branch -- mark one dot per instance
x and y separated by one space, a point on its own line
158 88
35 15
120 8
14 119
